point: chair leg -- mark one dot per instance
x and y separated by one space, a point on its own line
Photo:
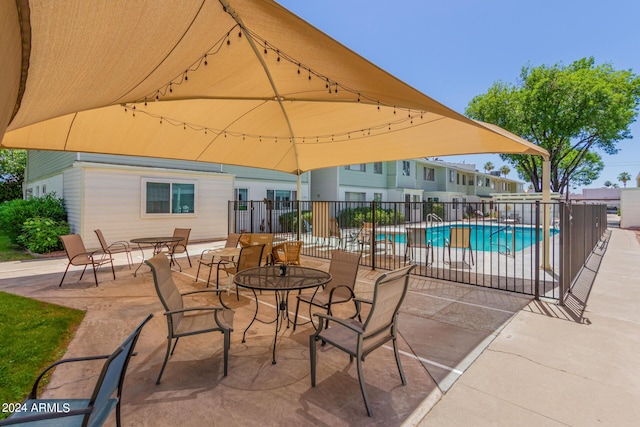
112 270
129 258
198 273
118 412
209 276
95 275
166 358
397 353
227 344
312 358
65 273
188 257
362 386
83 270
174 346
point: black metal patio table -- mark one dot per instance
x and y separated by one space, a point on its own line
282 280
156 242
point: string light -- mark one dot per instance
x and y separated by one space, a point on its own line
331 86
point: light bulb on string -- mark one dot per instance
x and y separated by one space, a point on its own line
205 60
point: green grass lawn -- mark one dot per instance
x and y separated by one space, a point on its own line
33 334
10 252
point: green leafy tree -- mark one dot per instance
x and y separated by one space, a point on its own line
504 170
587 171
12 165
624 177
488 167
569 110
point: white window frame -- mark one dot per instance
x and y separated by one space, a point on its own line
406 168
358 167
429 174
143 197
280 203
240 204
377 168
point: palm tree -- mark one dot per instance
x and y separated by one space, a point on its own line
504 170
488 167
624 177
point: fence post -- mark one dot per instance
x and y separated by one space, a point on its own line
373 235
537 251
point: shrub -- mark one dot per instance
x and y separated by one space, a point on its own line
14 213
355 217
40 235
289 221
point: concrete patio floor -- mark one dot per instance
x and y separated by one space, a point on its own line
472 356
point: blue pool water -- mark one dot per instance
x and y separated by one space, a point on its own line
490 238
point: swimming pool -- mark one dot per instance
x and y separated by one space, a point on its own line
490 237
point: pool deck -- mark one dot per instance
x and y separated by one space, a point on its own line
472 356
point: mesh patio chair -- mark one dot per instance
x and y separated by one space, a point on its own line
186 321
78 255
416 239
459 238
179 247
365 239
94 411
265 239
344 271
115 247
232 242
249 257
358 339
287 253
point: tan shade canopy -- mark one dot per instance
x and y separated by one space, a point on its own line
242 82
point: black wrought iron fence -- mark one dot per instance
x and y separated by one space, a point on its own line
499 245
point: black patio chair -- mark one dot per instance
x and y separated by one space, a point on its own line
93 411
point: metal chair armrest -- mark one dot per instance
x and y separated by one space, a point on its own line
34 390
338 320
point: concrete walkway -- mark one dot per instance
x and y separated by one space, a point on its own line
472 356
547 367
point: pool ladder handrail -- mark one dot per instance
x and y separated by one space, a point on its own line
431 218
509 250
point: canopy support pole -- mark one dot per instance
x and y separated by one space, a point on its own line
546 217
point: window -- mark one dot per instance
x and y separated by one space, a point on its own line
452 176
282 198
169 197
406 168
377 197
351 196
455 203
464 179
487 182
377 168
361 167
429 174
44 189
470 181
241 196
433 199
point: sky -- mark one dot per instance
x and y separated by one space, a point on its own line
454 50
